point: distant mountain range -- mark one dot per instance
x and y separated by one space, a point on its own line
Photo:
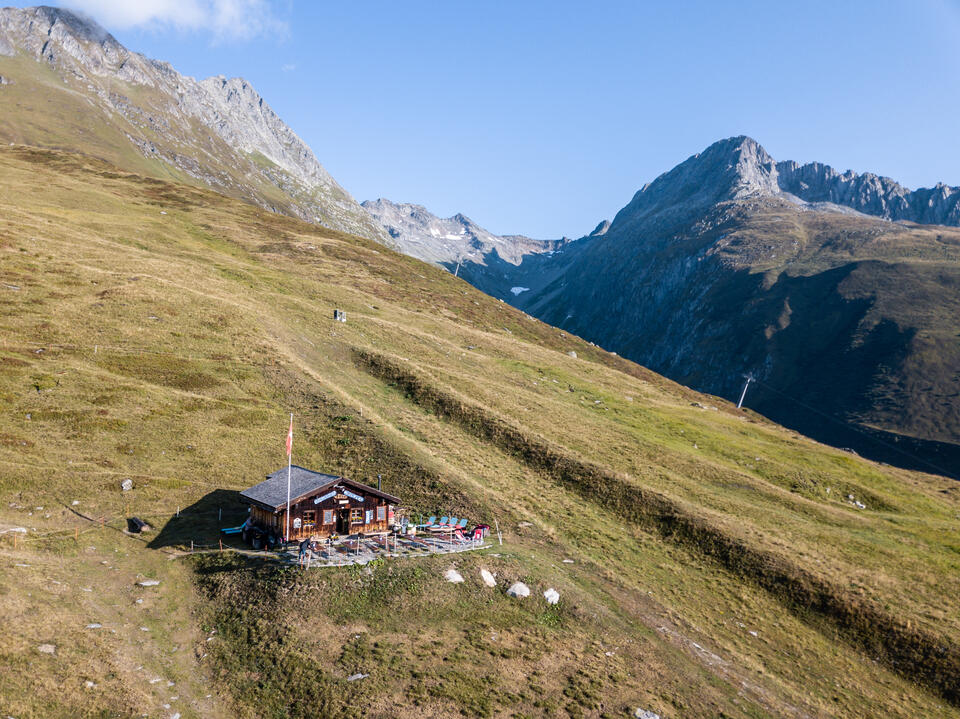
67 83
453 240
817 283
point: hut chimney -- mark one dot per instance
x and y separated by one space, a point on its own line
379 481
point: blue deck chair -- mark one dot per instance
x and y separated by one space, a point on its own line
431 521
462 525
453 522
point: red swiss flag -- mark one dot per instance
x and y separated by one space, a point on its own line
290 438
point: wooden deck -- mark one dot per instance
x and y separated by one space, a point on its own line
349 550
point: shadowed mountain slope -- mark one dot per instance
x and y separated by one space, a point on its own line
848 321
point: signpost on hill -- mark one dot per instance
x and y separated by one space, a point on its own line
749 378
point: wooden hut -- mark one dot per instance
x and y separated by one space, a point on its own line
320 505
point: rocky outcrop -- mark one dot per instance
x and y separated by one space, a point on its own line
600 229
871 194
219 131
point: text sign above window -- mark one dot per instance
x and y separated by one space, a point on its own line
352 495
326 496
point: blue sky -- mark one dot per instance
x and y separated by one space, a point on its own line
544 118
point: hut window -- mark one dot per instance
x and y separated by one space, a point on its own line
381 512
328 516
309 518
356 516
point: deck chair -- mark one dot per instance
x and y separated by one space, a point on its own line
431 521
453 522
462 525
443 525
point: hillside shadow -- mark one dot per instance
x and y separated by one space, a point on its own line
201 522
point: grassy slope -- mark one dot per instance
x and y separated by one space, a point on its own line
168 347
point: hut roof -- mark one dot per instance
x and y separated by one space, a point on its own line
272 492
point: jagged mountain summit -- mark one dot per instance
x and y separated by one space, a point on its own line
733 263
738 167
452 240
70 84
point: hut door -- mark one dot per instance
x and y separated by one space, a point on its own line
343 520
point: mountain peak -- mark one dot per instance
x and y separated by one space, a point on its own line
729 169
219 131
749 167
79 24
55 23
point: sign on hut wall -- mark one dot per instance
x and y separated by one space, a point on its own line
325 497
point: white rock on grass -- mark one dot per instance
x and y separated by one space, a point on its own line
642 713
47 649
149 582
94 625
488 578
519 590
452 575
552 596
355 677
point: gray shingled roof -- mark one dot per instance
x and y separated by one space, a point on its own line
272 492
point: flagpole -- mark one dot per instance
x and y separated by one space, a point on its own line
289 466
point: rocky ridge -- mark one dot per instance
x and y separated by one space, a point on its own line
870 194
219 131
